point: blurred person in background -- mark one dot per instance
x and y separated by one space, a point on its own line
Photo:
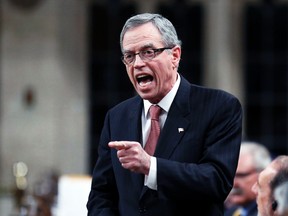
281 196
279 192
253 158
262 188
192 169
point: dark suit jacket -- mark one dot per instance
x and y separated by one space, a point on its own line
195 168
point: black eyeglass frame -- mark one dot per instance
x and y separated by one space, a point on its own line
142 52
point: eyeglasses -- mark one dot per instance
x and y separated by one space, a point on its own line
145 55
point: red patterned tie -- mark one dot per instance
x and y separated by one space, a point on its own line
154 131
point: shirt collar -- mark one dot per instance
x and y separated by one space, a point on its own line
166 102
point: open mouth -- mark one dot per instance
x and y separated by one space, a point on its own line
144 80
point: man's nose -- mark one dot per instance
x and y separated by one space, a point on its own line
138 60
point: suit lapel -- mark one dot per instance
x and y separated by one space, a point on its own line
171 134
176 122
134 131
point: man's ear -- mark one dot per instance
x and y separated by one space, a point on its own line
176 55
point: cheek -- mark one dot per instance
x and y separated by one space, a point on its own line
254 189
130 74
165 76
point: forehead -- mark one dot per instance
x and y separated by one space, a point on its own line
141 36
245 162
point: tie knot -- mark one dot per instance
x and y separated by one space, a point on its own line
155 111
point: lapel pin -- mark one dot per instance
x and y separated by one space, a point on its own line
180 130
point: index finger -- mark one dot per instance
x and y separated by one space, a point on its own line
117 145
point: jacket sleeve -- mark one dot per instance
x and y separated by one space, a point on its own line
102 200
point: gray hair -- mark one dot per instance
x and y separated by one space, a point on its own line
281 196
165 27
260 154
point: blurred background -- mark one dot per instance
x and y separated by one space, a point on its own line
60 71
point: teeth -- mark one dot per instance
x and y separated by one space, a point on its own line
140 76
144 84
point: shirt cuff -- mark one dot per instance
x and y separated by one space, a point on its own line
151 179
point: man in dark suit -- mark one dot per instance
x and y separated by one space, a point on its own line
192 169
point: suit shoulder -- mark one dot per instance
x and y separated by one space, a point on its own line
203 92
212 93
127 104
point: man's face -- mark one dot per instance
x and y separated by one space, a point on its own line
245 177
151 79
262 189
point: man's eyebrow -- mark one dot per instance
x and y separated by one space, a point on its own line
146 46
150 45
